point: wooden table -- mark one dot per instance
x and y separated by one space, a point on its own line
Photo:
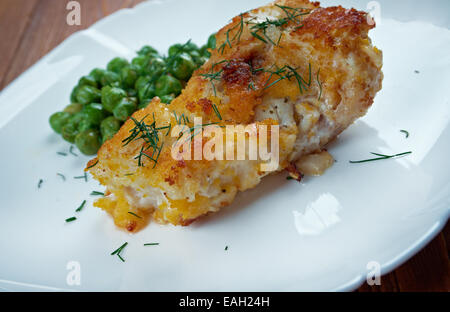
31 28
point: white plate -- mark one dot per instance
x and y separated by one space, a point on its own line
318 235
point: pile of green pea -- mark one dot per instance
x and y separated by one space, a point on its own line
103 100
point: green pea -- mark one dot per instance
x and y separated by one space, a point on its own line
125 108
111 97
141 63
141 81
190 46
94 113
97 73
156 67
109 127
146 92
88 141
168 85
110 79
58 120
88 81
128 76
175 49
147 50
85 124
76 118
167 99
69 132
70 129
116 64
73 108
211 42
196 57
182 66
87 94
73 95
92 116
132 93
204 52
180 48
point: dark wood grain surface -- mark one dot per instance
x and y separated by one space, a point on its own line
29 29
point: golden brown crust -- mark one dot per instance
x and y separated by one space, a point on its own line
328 21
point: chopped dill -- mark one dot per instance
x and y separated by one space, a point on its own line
95 193
259 30
292 14
142 153
149 133
81 206
61 153
71 151
320 84
63 177
301 82
71 219
226 247
119 250
288 72
237 36
133 214
82 177
213 75
381 156
40 183
405 132
93 165
216 110
181 119
194 130
151 244
278 72
254 71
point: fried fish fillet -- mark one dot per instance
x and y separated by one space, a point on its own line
310 70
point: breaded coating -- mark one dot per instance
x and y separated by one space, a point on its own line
310 70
